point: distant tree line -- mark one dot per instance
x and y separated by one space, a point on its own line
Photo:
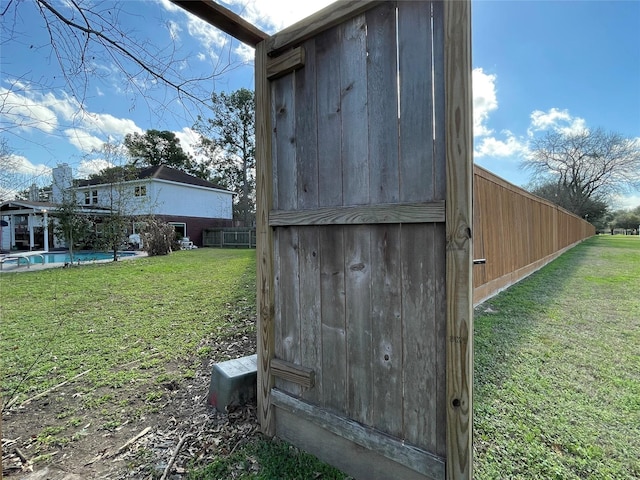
582 171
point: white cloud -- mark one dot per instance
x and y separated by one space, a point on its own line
109 125
26 111
83 140
22 165
556 119
493 147
87 167
26 108
211 38
174 31
626 201
268 15
18 174
245 53
484 101
188 140
274 15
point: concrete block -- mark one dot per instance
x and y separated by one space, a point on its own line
233 382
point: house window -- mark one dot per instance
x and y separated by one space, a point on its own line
87 198
94 197
141 191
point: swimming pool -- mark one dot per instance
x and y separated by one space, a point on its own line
82 257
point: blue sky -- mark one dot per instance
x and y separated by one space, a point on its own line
537 66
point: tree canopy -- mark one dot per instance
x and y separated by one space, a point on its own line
582 170
159 147
228 141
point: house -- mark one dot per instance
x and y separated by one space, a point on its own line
189 203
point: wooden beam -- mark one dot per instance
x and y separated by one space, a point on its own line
285 63
264 244
361 215
224 19
459 261
431 466
326 18
293 373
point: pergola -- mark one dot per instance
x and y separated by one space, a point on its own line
37 214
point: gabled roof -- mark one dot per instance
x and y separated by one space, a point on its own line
10 207
161 172
22 204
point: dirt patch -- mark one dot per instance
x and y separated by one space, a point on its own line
132 432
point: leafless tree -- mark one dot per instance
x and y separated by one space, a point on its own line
585 166
85 35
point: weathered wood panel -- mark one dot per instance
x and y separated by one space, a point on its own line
358 211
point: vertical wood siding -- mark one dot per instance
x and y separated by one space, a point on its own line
363 305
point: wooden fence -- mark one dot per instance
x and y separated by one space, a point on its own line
516 233
364 278
229 237
364 234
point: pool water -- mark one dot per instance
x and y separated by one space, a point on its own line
63 257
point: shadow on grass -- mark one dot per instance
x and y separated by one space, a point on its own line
554 367
502 322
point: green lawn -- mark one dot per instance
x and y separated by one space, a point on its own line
60 322
557 357
557 369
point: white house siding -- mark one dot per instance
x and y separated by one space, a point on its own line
189 200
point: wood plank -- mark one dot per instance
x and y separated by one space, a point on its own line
353 108
285 63
307 131
303 376
285 188
416 102
311 327
439 102
287 311
351 458
334 330
459 161
386 320
264 244
224 19
440 264
361 214
358 297
382 104
414 458
328 17
329 118
419 335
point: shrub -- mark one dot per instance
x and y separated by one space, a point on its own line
158 238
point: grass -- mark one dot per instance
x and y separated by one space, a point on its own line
124 321
557 363
557 369
267 460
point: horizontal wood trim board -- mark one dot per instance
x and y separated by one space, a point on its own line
431 212
418 460
324 19
293 373
224 19
285 63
